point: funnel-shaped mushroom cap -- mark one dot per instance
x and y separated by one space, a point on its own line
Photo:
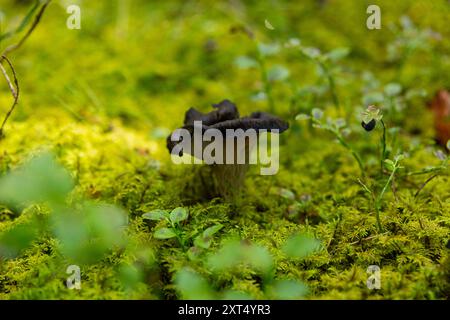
226 116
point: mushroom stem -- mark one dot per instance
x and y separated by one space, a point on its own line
228 178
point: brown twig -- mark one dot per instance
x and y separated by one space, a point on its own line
38 17
3 57
424 184
14 91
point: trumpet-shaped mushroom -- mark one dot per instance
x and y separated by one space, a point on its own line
228 161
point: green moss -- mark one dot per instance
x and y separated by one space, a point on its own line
105 128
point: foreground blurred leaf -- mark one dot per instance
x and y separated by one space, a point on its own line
278 73
244 62
42 179
234 253
192 286
288 290
13 241
86 235
300 246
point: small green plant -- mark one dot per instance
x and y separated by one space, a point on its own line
393 166
338 127
327 66
174 219
237 254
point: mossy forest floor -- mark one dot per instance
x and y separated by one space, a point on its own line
103 99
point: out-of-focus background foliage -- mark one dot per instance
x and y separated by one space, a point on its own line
84 166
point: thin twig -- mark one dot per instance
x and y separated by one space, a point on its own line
15 92
3 57
424 184
13 47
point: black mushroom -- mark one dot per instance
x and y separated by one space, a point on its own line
227 178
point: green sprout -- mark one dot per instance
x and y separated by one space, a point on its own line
174 218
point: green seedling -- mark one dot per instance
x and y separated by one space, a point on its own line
174 219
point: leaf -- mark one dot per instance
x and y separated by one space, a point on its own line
310 52
389 164
317 113
42 179
244 62
278 73
392 89
178 214
157 215
130 276
268 49
268 25
204 240
212 230
192 286
289 290
373 98
286 193
337 54
448 145
26 20
302 117
301 246
258 257
164 233
13 241
87 234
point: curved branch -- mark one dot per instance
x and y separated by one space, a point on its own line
14 91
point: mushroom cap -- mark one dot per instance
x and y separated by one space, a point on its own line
226 116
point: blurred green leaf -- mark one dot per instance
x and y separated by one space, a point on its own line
178 214
25 21
258 257
87 234
268 25
389 164
164 233
392 89
192 286
236 295
286 193
301 246
129 276
212 230
244 62
13 241
268 49
278 73
302 117
317 113
41 179
288 290
157 214
337 54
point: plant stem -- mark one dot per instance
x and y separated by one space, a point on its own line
331 84
383 144
353 152
380 197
